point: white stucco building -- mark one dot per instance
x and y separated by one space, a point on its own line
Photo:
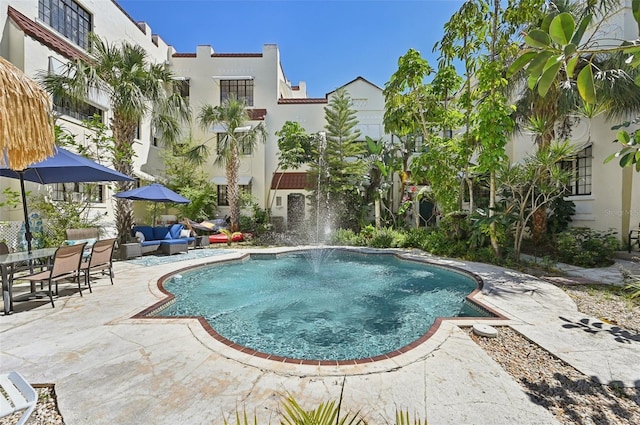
607 197
39 35
35 41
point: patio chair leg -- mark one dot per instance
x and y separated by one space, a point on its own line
50 293
87 281
79 285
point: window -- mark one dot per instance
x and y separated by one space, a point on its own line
221 140
80 110
242 89
580 166
68 18
223 199
93 193
183 90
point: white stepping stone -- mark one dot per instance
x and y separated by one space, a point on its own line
485 330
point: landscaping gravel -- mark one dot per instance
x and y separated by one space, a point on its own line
570 395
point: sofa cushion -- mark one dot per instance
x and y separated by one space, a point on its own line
175 230
87 248
147 231
173 241
161 233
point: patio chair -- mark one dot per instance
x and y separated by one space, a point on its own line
16 395
206 226
65 265
101 259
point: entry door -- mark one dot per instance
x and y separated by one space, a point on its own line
295 211
426 213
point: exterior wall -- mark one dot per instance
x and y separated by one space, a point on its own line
614 202
112 24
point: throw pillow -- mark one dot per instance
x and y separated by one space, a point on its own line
185 233
140 236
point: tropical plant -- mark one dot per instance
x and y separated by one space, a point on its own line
633 288
295 148
483 34
62 215
562 51
233 115
533 184
382 161
337 167
560 213
585 247
327 413
407 101
183 169
136 88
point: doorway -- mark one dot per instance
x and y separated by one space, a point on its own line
295 211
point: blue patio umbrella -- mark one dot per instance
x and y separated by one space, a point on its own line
154 192
63 167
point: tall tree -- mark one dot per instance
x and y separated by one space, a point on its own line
136 88
339 167
238 134
489 41
295 147
407 101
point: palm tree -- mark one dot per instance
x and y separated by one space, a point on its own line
233 116
136 88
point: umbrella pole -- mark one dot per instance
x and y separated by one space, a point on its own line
155 209
27 228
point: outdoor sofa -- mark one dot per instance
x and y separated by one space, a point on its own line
168 239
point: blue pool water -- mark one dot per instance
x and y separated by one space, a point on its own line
351 306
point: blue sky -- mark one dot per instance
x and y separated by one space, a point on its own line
325 43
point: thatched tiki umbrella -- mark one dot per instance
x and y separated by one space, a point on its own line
26 124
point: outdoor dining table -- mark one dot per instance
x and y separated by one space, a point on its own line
9 260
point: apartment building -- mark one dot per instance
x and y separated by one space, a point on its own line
40 35
606 196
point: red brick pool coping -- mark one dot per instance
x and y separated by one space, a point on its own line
149 313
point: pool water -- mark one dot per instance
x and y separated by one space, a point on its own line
350 306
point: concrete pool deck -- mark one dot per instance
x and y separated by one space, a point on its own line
111 368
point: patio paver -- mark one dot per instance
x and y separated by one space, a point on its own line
111 368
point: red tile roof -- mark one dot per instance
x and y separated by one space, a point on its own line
289 181
302 101
220 55
45 36
236 55
257 114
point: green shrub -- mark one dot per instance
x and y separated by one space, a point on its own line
386 238
560 212
584 247
344 237
416 238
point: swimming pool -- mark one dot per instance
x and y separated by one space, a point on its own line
322 305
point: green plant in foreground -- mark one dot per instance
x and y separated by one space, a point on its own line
633 288
327 413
